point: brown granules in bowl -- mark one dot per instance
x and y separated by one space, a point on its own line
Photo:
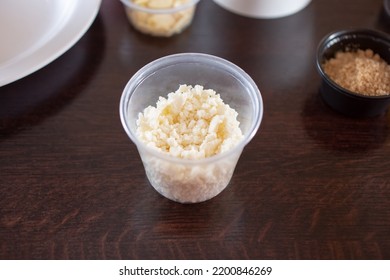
360 71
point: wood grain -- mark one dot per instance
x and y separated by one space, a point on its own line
312 184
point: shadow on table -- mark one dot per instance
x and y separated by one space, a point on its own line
30 100
335 131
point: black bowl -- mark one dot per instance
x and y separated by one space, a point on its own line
342 100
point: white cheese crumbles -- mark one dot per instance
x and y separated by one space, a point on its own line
161 24
191 123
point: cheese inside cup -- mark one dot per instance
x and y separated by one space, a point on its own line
190 123
162 18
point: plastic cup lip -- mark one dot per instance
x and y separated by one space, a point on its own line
179 8
175 59
337 36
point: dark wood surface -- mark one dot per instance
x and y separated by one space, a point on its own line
312 184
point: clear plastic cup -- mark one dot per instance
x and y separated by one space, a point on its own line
191 180
160 21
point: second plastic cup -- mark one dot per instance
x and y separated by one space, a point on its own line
186 180
158 19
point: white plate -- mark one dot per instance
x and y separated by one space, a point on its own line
35 32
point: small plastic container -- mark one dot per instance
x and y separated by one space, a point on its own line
160 20
186 180
264 9
343 100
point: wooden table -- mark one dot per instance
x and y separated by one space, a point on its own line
312 184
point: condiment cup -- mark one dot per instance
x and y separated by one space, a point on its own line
191 180
266 9
343 100
160 22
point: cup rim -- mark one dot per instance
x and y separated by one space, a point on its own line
134 6
322 46
173 59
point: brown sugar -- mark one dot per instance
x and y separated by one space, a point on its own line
360 71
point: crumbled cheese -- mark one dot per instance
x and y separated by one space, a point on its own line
160 24
189 183
191 123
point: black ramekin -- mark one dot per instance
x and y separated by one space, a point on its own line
342 100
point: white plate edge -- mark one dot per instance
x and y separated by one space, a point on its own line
57 45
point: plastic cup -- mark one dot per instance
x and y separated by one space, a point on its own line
191 180
160 22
